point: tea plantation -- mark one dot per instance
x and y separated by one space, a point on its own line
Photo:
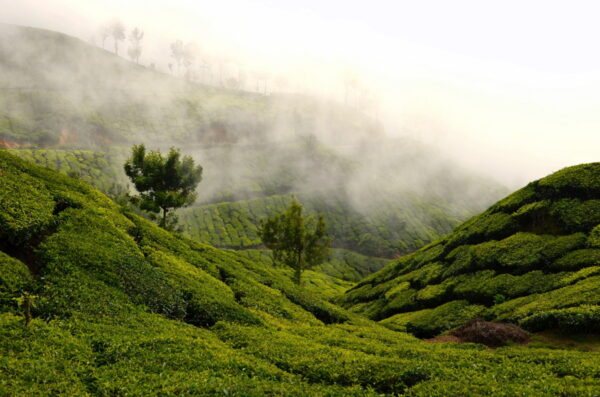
100 169
383 233
532 259
125 308
364 238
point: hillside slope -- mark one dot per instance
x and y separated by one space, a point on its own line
364 214
79 95
532 258
125 308
78 108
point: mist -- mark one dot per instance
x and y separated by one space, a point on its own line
510 90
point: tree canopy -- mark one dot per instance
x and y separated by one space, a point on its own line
298 242
164 183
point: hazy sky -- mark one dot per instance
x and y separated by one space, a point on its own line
511 87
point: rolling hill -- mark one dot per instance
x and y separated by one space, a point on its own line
122 307
533 258
78 108
77 95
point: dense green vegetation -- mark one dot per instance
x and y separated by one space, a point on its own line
297 241
383 233
100 169
340 263
125 307
398 227
532 259
164 183
78 108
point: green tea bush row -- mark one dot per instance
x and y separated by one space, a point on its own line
533 252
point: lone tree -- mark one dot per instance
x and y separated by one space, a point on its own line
104 32
117 31
298 242
178 53
164 183
135 45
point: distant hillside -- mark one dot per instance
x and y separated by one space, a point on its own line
394 226
100 169
532 258
78 108
122 307
56 90
385 232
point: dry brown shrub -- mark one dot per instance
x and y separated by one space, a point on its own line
490 334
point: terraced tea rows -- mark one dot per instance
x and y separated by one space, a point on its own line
533 258
99 169
124 307
389 232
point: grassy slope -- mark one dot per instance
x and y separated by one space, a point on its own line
124 307
532 258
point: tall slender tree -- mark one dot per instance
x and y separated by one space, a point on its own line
178 53
190 53
135 45
117 31
104 33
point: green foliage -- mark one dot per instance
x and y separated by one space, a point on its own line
382 232
594 239
582 292
516 200
577 215
528 256
164 183
26 207
562 245
324 364
584 319
295 241
114 288
100 169
15 279
207 300
323 282
481 228
26 303
581 181
578 259
447 316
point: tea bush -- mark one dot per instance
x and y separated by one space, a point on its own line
532 253
127 308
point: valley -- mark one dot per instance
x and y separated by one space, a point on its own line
97 300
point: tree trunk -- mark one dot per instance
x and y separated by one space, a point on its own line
163 222
27 305
298 275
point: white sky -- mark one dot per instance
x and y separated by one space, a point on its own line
510 87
